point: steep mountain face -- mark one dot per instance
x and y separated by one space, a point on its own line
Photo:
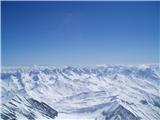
26 108
101 92
117 112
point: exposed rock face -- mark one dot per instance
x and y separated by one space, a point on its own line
43 108
26 108
120 113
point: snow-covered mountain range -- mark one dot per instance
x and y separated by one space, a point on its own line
110 92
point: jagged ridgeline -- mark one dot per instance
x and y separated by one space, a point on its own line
21 107
95 93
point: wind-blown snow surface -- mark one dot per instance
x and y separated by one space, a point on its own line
91 93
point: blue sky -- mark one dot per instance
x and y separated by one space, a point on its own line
79 33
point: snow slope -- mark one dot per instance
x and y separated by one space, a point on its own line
102 92
24 108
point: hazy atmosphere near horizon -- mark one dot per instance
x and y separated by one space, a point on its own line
79 33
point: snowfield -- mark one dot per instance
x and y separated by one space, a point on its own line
109 92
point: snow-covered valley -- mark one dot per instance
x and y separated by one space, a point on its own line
110 92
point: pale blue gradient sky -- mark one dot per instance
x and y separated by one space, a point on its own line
79 33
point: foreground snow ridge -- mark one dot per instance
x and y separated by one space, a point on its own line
108 92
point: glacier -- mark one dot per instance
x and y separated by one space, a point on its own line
102 92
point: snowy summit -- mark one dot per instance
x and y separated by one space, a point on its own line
89 93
